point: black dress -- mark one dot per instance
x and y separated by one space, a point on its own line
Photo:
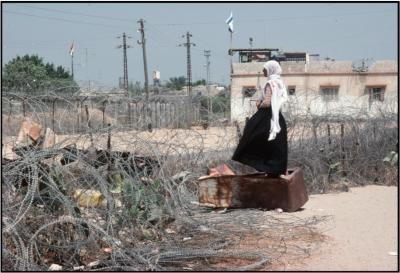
255 150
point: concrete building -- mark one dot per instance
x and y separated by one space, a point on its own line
202 89
115 93
317 87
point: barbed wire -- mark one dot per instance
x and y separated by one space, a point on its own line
115 192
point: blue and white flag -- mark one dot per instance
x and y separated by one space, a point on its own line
229 21
72 49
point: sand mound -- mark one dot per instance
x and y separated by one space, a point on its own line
65 121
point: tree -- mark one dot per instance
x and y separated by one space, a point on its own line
176 83
200 82
135 89
29 74
220 103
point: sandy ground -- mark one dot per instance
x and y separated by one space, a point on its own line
364 227
159 141
362 233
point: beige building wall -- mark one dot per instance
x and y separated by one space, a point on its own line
308 78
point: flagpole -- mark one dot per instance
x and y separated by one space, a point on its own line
231 51
229 21
71 52
72 65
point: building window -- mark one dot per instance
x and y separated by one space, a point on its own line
291 90
295 57
244 58
375 93
329 93
249 91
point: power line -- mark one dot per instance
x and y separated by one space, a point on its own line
79 13
339 40
168 37
208 22
63 20
190 23
309 17
161 33
272 19
57 43
75 21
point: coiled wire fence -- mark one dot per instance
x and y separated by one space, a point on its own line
139 182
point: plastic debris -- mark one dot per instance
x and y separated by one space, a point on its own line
55 267
182 176
170 231
107 249
93 264
88 198
203 228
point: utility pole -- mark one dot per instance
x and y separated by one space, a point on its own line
146 81
189 72
124 46
207 54
143 44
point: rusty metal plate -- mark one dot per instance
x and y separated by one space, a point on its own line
254 191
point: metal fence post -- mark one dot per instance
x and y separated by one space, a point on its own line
342 147
53 114
24 107
104 110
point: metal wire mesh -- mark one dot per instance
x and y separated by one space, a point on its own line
145 181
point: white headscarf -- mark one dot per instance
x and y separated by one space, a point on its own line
279 95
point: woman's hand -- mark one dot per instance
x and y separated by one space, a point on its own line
258 103
267 98
265 104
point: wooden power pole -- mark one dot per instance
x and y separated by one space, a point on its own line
143 44
188 44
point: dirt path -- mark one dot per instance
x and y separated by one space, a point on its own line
362 233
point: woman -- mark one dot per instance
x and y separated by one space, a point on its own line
263 145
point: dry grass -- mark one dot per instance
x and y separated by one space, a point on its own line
147 192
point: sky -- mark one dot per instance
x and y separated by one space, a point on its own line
342 31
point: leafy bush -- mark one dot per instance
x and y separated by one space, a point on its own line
176 83
29 74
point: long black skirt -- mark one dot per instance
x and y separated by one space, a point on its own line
256 151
